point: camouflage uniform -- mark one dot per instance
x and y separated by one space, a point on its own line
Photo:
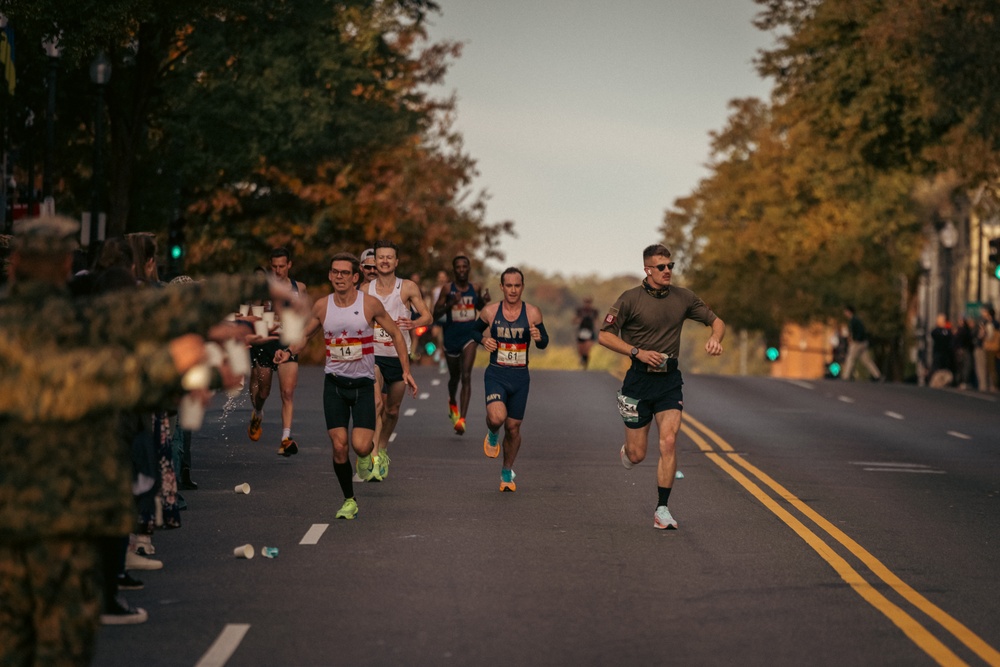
67 368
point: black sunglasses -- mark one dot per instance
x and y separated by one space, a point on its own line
368 267
660 267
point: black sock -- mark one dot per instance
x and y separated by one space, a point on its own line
664 495
345 477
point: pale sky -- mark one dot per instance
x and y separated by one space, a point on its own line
588 119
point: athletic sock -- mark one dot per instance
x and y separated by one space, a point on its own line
345 477
664 495
286 433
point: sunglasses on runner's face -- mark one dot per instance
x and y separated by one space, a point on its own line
661 267
368 267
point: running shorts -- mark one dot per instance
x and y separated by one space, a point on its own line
644 394
347 398
509 386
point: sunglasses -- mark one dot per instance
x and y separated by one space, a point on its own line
661 267
368 267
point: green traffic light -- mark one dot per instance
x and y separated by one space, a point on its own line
430 347
772 354
176 252
835 369
996 272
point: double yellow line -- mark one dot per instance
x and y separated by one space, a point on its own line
913 629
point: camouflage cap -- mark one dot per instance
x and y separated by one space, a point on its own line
48 235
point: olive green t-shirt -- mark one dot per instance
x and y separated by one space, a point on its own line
649 323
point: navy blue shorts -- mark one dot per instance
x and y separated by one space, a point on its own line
392 371
510 386
344 398
644 394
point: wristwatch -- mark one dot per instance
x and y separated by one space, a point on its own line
634 352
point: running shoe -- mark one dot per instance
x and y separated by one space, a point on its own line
134 561
383 464
119 612
460 426
376 475
491 444
288 447
126 582
255 428
348 510
507 480
453 413
662 519
366 469
625 462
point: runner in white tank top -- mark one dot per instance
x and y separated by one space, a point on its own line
346 317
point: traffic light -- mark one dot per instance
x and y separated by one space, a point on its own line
994 258
833 369
175 243
772 353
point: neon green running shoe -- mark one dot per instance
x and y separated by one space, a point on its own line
382 465
366 469
348 510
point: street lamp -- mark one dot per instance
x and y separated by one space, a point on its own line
53 51
100 74
948 237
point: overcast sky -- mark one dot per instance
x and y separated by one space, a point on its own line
588 119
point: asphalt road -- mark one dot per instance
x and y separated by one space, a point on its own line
821 523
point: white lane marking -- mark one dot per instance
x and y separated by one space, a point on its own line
800 383
224 645
314 533
894 415
845 399
392 437
435 382
410 412
893 466
424 396
961 436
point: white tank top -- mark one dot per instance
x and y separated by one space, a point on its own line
394 305
348 337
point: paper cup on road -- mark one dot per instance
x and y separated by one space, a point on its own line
269 319
245 551
244 309
293 328
260 328
190 413
243 488
258 311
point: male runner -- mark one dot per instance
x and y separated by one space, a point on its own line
346 317
512 325
262 373
399 297
645 323
458 303
368 267
586 330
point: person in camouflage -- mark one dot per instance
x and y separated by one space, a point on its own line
67 368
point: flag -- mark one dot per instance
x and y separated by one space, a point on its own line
7 56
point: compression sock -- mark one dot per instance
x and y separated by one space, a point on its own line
286 433
345 477
664 495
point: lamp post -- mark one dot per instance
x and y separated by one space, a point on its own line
926 263
53 51
100 74
948 237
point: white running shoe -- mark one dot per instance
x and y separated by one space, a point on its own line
134 561
625 462
662 519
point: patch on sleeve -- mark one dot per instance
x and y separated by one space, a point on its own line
612 315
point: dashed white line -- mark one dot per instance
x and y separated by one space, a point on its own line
224 645
959 435
424 396
410 412
314 533
894 415
845 399
435 382
392 437
894 466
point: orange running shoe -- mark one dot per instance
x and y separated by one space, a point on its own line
507 480
255 428
491 444
453 413
288 447
460 426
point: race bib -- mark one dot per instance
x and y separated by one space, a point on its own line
382 336
629 408
463 312
344 349
512 354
